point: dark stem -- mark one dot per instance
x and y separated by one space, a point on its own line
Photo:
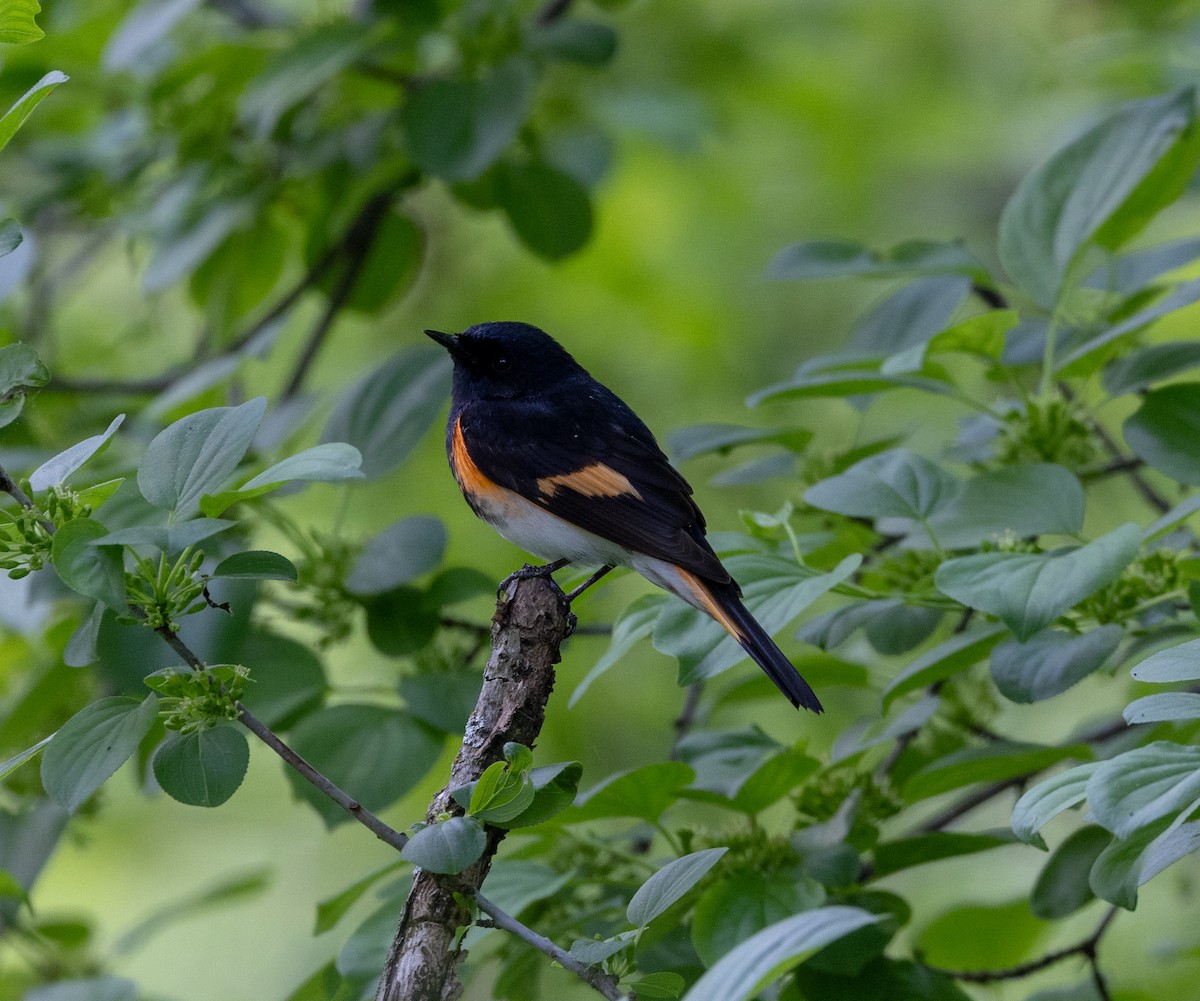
1086 948
990 296
551 11
268 736
1149 494
357 245
687 717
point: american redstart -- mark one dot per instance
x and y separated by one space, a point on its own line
557 464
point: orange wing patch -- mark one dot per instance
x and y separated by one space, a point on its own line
596 480
469 476
696 588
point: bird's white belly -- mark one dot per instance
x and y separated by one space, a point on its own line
548 536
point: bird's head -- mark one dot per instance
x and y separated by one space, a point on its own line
505 360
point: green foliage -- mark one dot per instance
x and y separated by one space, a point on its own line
940 507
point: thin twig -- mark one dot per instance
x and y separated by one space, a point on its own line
593 976
989 295
1086 948
9 486
157 383
687 717
357 245
1149 494
551 11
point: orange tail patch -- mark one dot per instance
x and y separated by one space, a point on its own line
695 586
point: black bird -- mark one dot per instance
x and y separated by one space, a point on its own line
557 464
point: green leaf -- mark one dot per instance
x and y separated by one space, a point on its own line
391 267
1036 499
775 591
255 564
202 768
981 936
1128 863
182 248
742 904
842 258
143 28
403 551
906 853
331 462
80 650
1079 360
1051 662
589 43
17 25
10 236
1167 706
549 210
20 371
53 471
298 70
883 979
762 959
635 623
92 745
813 385
90 989
15 117
385 414
993 762
1165 431
1140 786
457 128
658 986
896 484
443 699
1134 271
1029 591
168 538
1180 513
772 780
18 759
288 677
945 660
514 884
331 910
95 571
374 753
644 792
1091 191
554 789
197 454
364 953
448 847
912 315
657 895
400 621
1146 366
1046 800
700 439
1062 885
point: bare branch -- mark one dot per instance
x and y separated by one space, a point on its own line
530 624
1086 948
590 975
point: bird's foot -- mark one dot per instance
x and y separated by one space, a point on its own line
529 570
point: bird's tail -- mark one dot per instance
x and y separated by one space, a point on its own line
723 602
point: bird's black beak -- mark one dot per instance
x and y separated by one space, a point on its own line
449 342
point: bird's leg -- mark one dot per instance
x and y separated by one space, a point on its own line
528 570
572 595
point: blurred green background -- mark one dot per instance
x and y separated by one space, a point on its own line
735 129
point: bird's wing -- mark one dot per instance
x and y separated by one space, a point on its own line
605 475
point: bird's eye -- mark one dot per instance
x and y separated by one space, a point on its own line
501 363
